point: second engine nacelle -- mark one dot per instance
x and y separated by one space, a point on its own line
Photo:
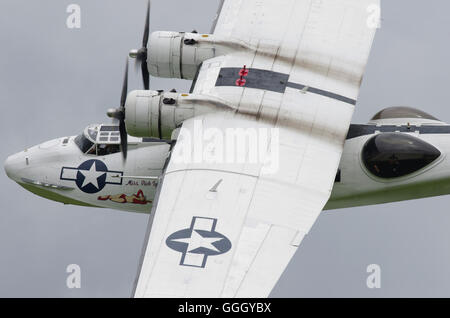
179 54
156 114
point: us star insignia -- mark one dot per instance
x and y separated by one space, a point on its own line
198 242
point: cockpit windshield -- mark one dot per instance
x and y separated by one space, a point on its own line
83 143
99 140
92 132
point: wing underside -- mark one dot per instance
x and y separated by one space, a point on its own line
229 217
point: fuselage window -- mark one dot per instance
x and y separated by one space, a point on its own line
392 155
104 149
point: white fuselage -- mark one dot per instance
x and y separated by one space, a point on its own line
357 186
60 171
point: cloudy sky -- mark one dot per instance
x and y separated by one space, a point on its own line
54 81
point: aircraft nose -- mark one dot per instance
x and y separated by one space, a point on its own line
9 167
13 166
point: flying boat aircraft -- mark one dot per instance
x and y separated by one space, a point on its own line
400 154
228 213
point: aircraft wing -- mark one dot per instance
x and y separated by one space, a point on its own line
228 219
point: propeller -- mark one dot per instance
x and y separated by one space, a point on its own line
119 114
141 54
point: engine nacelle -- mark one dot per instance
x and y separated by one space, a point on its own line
158 114
179 54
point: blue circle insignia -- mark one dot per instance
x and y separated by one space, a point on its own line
198 241
91 176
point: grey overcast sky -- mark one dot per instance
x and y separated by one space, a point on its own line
54 81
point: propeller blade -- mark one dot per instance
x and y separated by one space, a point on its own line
121 115
123 97
141 55
147 25
145 75
123 138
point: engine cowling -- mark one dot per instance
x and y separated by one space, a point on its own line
179 54
157 114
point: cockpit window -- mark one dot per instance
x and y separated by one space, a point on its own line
109 128
402 112
392 155
99 140
92 132
107 149
83 143
92 151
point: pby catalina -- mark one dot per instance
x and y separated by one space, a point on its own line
401 154
284 72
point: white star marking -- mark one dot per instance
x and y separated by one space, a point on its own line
197 241
91 176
